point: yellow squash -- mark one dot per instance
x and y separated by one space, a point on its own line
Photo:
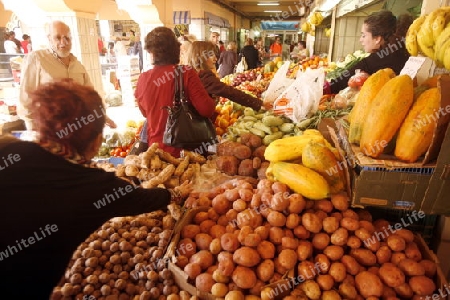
386 114
289 148
302 180
416 132
322 160
368 92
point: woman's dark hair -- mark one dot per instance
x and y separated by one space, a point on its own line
382 23
67 112
25 36
403 23
303 43
163 44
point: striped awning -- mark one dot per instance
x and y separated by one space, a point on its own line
212 19
182 17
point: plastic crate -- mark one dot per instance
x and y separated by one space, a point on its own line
424 226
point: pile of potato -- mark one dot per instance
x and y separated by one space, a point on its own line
243 158
250 237
123 260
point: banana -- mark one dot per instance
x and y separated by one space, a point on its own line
447 58
411 35
426 50
439 22
425 34
442 43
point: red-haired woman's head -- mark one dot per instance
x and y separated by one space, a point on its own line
69 113
162 43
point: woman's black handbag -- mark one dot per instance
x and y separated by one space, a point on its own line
185 127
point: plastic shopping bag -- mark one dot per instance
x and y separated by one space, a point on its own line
301 99
241 66
278 84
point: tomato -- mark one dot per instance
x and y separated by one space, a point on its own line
123 154
117 151
112 152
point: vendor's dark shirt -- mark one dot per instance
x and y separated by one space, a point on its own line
54 205
393 56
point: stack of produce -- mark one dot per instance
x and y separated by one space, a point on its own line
227 114
430 35
245 238
119 142
337 69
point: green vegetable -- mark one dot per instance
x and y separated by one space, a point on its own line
272 137
287 127
272 121
262 127
258 132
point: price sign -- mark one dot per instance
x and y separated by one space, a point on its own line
412 66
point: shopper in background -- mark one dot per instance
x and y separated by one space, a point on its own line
201 57
137 50
26 44
276 48
156 87
261 52
9 44
403 23
227 61
250 53
387 50
46 65
221 47
214 39
300 51
111 54
132 38
57 197
16 41
119 47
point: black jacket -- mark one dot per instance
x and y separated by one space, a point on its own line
393 56
49 203
251 56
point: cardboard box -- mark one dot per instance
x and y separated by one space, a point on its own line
390 183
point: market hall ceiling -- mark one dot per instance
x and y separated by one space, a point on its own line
282 10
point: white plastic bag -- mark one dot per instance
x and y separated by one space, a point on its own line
278 84
301 99
241 66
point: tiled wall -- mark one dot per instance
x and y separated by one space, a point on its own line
346 41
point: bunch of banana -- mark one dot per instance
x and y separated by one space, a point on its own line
430 35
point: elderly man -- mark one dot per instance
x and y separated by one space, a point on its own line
46 65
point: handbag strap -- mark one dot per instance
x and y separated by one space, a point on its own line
179 87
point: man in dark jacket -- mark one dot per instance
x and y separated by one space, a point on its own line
250 53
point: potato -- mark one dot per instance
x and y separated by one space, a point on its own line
324 205
186 247
321 214
381 225
239 205
364 256
349 223
246 257
192 270
412 251
205 226
370 241
265 270
337 215
325 282
279 201
391 275
330 295
217 231
220 204
367 225
266 250
304 250
311 289
330 224
226 267
190 231
338 271
347 290
353 242
404 290
255 291
289 243
339 237
351 265
422 285
323 262
396 243
340 201
296 203
249 217
219 277
406 234
301 232
229 242
364 215
219 290
204 258
397 257
287 258
215 246
276 219
349 213
383 254
234 295
320 240
244 277
334 252
411 267
429 266
312 222
368 284
308 269
275 235
252 240
204 282
203 240
243 232
292 221
262 231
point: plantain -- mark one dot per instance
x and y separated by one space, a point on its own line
442 43
411 35
438 25
447 58
425 34
426 50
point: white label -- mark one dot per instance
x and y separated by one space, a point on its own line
412 66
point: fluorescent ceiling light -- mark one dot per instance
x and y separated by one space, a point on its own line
272 11
268 4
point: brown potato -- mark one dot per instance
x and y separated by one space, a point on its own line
412 251
204 258
370 241
411 267
249 217
396 243
353 242
244 277
217 231
404 290
220 204
246 257
381 225
292 221
243 232
312 222
311 289
275 235
364 256
289 243
383 254
301 232
204 282
296 203
330 224
203 240
391 275
330 295
266 250
265 270
308 270
367 225
347 290
339 237
276 219
186 247
190 231
206 225
287 258
429 266
340 201
338 271
215 246
229 242
333 252
321 214
349 223
279 201
388 293
304 250
365 215
368 284
397 257
263 232
324 205
320 240
337 215
323 262
351 265
422 285
406 234
252 240
350 213
325 282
